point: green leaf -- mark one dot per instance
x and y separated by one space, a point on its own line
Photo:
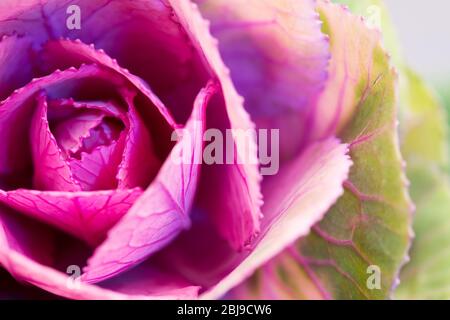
427 276
377 16
444 92
368 229
424 132
424 144
423 120
423 124
369 226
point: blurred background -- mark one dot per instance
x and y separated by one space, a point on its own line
423 29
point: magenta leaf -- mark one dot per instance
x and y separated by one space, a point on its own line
26 252
51 170
138 144
71 132
139 163
27 260
230 194
65 53
162 212
92 137
86 215
96 170
153 46
81 126
18 110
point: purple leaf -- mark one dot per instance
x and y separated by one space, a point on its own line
278 59
14 54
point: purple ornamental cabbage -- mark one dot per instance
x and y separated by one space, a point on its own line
87 170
